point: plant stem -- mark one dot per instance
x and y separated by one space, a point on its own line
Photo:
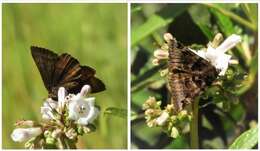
233 16
194 137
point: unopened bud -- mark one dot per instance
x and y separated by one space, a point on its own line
174 132
155 62
47 133
161 54
164 47
182 114
149 103
50 140
164 72
151 123
161 120
25 123
168 37
71 133
169 108
217 40
89 128
56 133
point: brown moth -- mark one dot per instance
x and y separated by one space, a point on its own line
189 74
64 71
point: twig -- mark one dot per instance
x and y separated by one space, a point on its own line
194 137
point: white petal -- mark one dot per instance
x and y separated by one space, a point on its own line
93 113
222 63
61 97
229 43
200 53
73 115
85 90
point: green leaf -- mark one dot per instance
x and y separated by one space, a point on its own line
250 9
247 140
203 21
136 8
156 21
224 22
116 112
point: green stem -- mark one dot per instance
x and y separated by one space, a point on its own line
233 16
194 137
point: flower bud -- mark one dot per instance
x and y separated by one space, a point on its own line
182 114
164 47
61 98
56 133
47 133
161 54
168 37
217 40
169 108
174 132
50 140
89 128
149 103
71 133
164 72
161 120
25 123
24 134
151 123
155 62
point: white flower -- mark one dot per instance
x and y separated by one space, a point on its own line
24 134
217 56
81 109
162 118
47 109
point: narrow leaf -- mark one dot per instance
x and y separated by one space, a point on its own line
156 21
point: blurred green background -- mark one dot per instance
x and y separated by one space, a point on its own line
225 111
95 34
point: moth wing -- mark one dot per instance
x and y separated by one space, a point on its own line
183 89
190 74
45 61
88 77
67 69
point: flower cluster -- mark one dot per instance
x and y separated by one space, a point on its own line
63 121
172 123
214 53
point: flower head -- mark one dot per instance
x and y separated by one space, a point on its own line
24 134
81 109
216 56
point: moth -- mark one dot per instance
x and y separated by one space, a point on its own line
64 71
189 74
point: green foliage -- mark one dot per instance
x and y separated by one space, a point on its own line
246 140
95 34
225 108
